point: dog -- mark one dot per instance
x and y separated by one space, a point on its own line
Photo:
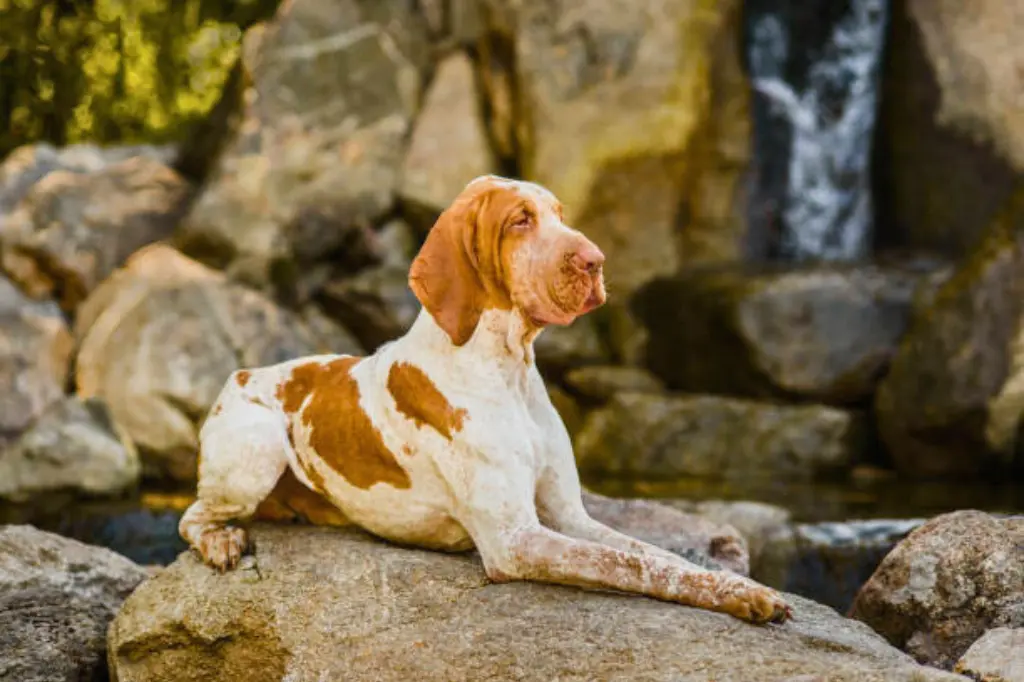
446 438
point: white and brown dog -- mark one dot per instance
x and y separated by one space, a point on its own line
446 438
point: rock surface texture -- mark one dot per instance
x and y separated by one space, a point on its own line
327 604
948 582
57 597
74 446
998 656
35 355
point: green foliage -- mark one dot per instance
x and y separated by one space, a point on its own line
115 70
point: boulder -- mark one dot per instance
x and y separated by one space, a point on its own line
997 656
57 597
560 348
376 303
954 394
27 165
158 339
73 446
72 228
950 146
567 407
698 538
822 333
35 353
649 436
949 581
318 603
628 112
598 383
333 88
449 145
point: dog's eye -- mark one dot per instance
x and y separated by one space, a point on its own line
522 222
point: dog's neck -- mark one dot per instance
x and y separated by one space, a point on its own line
504 337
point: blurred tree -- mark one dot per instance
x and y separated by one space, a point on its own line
115 70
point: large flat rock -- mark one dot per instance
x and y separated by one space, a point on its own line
331 604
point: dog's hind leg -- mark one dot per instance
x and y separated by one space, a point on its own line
243 452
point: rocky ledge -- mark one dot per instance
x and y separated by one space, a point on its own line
316 604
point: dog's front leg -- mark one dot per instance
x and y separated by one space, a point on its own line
543 555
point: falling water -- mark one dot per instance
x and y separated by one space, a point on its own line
814 66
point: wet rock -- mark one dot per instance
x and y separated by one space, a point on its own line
695 537
948 582
954 394
951 144
997 656
158 339
334 88
390 613
25 166
57 597
598 383
73 228
648 436
74 446
819 333
449 145
612 109
35 353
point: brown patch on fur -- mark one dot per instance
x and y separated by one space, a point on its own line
462 268
291 501
242 376
340 432
217 409
417 398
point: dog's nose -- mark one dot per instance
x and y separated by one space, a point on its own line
588 257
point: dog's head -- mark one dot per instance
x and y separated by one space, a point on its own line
502 245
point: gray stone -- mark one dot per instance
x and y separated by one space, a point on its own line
819 333
335 86
72 229
388 613
598 383
663 437
57 597
35 355
948 582
74 446
997 656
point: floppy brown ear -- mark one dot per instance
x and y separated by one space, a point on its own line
445 278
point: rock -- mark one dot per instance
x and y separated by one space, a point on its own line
950 147
377 304
954 393
646 436
72 229
334 90
697 538
627 113
73 446
560 348
948 582
449 145
27 165
822 333
389 613
158 339
57 597
998 656
35 352
598 383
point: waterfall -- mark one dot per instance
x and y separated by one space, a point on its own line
814 69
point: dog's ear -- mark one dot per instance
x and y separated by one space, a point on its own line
445 275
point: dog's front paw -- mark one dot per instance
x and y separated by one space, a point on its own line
756 603
222 548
